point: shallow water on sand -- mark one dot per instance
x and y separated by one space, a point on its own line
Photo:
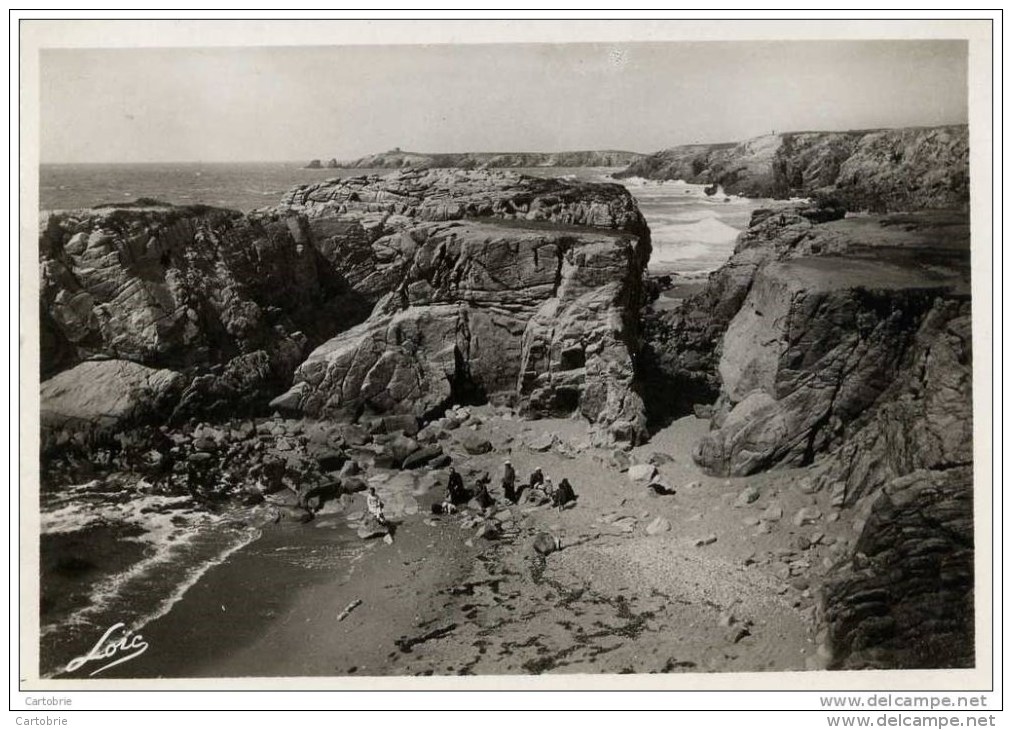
113 551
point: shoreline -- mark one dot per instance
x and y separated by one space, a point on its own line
442 601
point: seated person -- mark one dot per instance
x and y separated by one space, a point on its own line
540 492
375 506
563 495
483 498
455 492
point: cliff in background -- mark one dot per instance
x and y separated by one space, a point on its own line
396 159
877 170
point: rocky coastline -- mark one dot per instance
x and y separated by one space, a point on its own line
371 331
234 305
843 346
879 170
398 159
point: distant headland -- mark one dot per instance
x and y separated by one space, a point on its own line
398 159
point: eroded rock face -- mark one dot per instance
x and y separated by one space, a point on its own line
905 598
451 194
578 347
904 595
924 419
400 363
683 346
846 343
99 397
815 343
235 303
535 316
880 170
198 290
801 302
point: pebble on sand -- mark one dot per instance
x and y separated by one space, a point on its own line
658 525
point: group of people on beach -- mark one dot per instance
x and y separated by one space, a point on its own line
539 489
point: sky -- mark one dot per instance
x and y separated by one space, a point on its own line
300 103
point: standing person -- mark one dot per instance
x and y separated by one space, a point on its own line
509 481
375 506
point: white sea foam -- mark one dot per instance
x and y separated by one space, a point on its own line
691 216
706 230
68 519
164 549
154 571
181 543
85 505
684 251
194 575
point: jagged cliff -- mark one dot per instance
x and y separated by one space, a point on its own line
434 285
878 170
487 160
844 343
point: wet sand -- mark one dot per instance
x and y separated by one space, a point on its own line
441 601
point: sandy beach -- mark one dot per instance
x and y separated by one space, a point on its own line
440 601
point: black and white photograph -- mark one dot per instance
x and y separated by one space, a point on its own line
506 359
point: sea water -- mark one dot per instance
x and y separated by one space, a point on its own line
115 550
693 233
239 186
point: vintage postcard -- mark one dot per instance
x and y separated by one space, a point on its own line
640 356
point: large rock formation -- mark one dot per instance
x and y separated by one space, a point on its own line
95 398
231 300
826 314
398 159
905 596
814 344
542 316
844 342
904 599
395 201
462 269
878 170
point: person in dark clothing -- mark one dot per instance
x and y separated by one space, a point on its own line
483 498
509 482
563 495
455 493
536 481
